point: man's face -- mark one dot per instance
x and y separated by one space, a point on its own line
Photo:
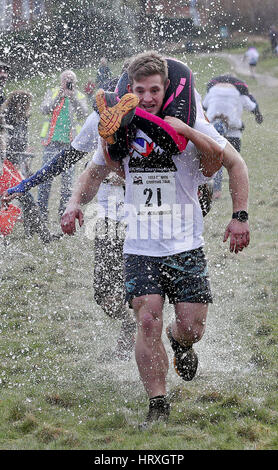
68 78
150 91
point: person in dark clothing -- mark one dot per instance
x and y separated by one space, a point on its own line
104 74
273 37
4 73
16 111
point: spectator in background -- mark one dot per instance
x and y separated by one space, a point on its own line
16 111
252 57
273 37
104 74
64 106
226 99
4 73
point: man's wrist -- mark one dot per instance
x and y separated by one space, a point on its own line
74 202
241 216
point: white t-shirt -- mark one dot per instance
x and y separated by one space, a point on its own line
110 197
227 100
162 209
87 139
252 56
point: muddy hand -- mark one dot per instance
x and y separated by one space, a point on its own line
68 220
239 234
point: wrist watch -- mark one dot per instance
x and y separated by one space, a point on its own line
242 216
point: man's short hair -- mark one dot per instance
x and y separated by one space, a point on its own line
145 64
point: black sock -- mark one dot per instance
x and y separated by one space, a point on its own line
158 397
160 404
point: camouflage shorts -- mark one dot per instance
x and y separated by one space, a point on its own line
183 277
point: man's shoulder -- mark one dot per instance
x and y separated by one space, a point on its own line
202 125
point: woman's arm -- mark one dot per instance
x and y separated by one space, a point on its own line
61 162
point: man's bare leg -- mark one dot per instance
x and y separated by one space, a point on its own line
151 357
187 329
190 323
150 353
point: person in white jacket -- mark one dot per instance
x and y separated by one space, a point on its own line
224 105
251 56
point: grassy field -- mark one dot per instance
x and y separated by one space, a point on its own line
55 391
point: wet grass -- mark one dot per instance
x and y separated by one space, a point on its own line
55 391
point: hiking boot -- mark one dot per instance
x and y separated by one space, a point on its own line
159 411
185 358
115 116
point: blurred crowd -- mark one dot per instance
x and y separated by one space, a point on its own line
64 108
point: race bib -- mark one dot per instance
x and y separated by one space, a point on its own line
154 193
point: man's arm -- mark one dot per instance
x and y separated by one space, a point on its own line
84 191
238 177
211 153
212 159
238 232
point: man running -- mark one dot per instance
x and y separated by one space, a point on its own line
163 247
224 104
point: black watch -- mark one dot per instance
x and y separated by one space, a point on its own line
242 216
